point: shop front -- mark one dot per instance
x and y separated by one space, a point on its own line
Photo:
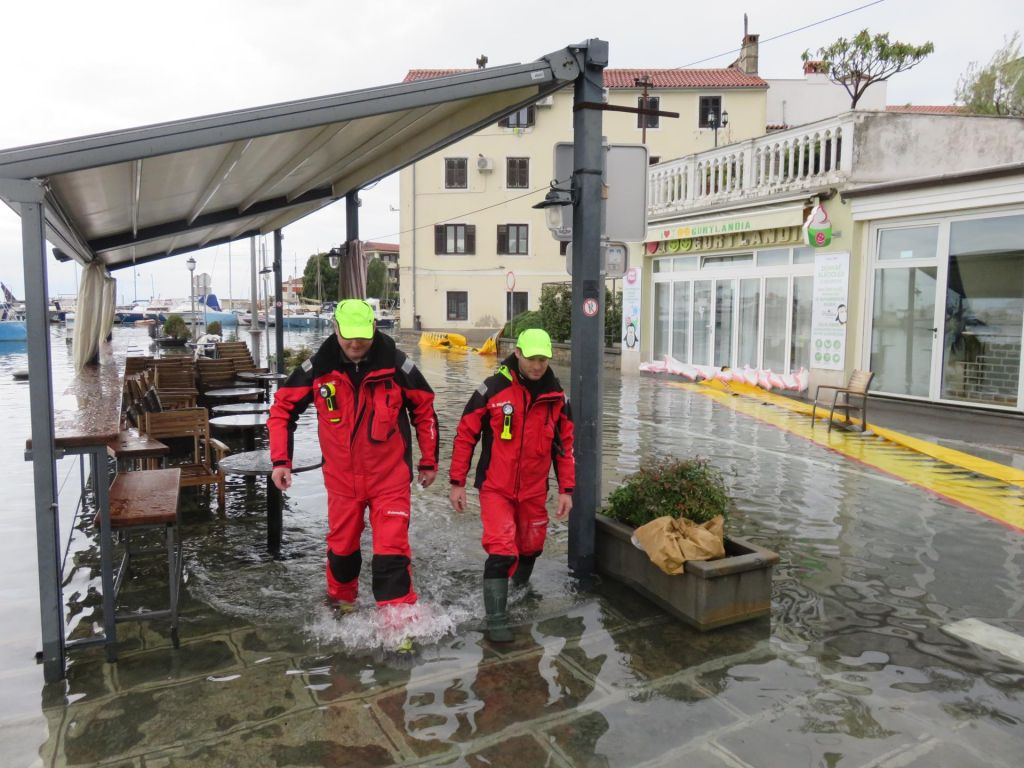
946 307
734 292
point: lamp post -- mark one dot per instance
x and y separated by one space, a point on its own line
335 257
191 264
714 123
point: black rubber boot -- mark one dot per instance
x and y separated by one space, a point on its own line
495 606
524 570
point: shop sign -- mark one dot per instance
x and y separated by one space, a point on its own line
753 239
631 299
818 228
828 319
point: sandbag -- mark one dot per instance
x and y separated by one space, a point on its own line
669 542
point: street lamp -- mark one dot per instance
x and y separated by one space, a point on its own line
191 264
713 123
557 206
334 258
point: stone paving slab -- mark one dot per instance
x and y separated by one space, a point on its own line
627 730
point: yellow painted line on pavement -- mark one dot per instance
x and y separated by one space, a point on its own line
962 485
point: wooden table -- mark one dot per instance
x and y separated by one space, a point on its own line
87 418
254 463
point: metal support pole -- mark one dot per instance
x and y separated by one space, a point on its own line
44 468
352 235
278 307
587 305
254 304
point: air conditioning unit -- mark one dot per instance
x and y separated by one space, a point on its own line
547 101
484 164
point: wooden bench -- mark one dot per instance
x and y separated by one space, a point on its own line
148 499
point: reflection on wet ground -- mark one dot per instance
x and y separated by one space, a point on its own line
853 668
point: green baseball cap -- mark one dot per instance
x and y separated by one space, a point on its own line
533 342
355 319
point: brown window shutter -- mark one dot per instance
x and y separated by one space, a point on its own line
439 243
502 238
471 238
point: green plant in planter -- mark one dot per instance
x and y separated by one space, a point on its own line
292 358
175 327
213 329
689 488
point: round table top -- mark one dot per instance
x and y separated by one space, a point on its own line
271 376
248 375
258 462
234 392
239 420
223 410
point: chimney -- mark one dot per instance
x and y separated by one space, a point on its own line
747 61
748 54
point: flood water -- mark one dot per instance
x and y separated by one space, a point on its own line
853 668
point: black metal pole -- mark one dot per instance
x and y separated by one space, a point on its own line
352 235
278 307
587 305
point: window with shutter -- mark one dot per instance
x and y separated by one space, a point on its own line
513 239
455 173
517 173
653 102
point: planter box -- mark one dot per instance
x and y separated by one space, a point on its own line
706 595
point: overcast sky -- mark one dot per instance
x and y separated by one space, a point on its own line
72 68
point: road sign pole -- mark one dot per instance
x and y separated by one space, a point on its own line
587 305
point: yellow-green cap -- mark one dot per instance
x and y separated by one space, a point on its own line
533 342
355 319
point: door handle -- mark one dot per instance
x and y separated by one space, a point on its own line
934 330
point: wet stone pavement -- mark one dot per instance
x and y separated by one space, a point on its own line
852 669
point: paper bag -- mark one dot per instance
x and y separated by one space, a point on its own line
670 542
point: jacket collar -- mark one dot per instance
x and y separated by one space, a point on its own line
548 382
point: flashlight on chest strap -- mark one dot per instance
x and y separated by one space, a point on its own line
506 422
327 392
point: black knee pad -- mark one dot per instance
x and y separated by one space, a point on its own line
345 567
498 566
391 579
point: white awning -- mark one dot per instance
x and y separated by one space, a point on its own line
142 194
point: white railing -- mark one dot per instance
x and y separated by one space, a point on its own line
807 157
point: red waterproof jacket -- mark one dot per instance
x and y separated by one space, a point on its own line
516 461
364 425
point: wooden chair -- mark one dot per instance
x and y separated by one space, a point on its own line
176 386
238 353
855 390
200 463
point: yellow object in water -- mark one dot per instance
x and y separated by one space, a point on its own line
443 341
489 347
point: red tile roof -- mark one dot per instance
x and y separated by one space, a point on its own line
938 109
683 78
624 78
385 247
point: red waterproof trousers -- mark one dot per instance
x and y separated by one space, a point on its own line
513 527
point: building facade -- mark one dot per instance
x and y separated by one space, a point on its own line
474 251
389 254
920 278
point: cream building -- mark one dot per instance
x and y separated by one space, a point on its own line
474 251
